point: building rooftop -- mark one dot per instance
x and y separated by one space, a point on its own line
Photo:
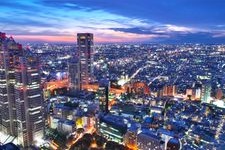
114 120
68 122
149 134
9 146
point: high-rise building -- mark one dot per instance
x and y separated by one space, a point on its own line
103 95
74 75
20 93
85 50
29 99
205 93
8 49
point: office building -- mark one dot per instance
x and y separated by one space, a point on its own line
29 99
85 50
112 127
103 95
20 93
206 93
74 75
8 49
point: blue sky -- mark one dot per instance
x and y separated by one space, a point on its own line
174 21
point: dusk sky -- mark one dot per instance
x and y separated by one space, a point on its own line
175 21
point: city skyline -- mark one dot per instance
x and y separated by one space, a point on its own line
191 21
141 96
112 75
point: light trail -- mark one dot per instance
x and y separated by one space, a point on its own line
90 130
52 85
123 82
158 77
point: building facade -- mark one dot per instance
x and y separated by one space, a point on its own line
205 93
29 100
74 75
112 127
21 98
169 90
8 49
103 95
85 50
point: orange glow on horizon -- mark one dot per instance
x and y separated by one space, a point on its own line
106 36
44 38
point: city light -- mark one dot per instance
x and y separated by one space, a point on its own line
112 75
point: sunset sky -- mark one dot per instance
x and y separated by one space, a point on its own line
175 21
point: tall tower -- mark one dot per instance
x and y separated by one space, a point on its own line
205 93
74 75
103 95
29 99
85 50
20 93
8 49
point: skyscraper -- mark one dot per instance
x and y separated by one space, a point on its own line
20 93
29 99
8 49
206 92
103 95
85 50
74 75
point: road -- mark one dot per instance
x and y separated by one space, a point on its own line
91 130
52 85
157 77
124 81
